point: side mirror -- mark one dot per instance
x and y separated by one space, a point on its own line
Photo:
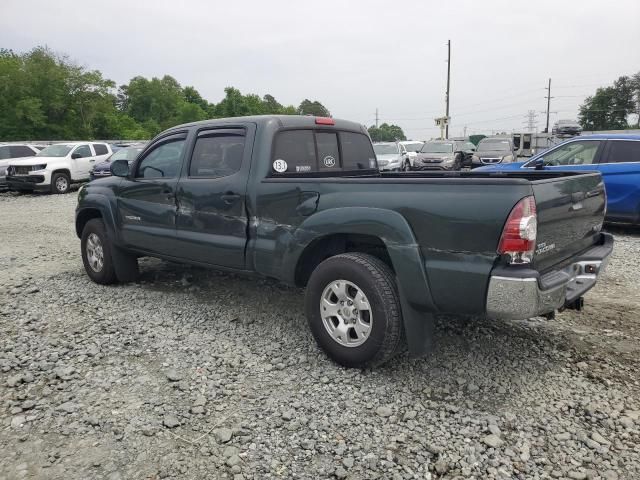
119 168
539 164
75 156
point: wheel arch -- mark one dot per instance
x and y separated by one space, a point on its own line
331 228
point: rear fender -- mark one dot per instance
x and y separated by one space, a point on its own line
394 231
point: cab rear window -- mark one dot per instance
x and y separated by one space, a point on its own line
312 151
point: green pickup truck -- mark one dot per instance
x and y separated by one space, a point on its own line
300 199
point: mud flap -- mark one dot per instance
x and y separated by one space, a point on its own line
124 264
419 327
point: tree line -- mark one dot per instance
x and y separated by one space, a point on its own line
44 95
611 108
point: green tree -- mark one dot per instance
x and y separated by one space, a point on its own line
610 107
315 108
386 133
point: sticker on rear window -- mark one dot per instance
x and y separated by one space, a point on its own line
329 161
303 168
280 166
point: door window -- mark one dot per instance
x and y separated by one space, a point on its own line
217 155
100 148
83 151
623 151
163 161
574 153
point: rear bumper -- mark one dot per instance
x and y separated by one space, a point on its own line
519 294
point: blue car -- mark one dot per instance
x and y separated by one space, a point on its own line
616 156
128 153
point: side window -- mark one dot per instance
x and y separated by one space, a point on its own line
5 152
294 151
217 155
574 153
21 151
357 151
328 152
100 148
621 151
163 161
83 151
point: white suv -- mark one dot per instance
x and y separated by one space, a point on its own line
11 152
56 167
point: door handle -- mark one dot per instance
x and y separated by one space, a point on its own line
92 160
230 198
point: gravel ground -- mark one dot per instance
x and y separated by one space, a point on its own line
197 374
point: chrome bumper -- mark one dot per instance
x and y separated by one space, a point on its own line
521 297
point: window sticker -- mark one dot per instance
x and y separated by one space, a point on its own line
303 168
280 166
329 161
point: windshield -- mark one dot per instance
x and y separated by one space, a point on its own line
385 148
494 146
55 151
413 147
126 154
4 152
433 147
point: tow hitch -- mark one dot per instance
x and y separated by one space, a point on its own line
577 304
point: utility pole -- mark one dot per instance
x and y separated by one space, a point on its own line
465 132
376 118
448 83
549 97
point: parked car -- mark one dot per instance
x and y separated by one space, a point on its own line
412 147
566 127
305 204
11 152
444 155
615 156
103 169
493 150
391 156
56 167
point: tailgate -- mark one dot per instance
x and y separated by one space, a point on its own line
570 214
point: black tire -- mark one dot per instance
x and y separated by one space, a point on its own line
60 183
406 166
377 281
106 274
457 162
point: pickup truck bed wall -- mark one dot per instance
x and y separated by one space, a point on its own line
439 232
456 237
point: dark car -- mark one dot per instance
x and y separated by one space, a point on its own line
300 199
566 127
102 169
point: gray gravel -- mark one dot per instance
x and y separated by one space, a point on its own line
197 374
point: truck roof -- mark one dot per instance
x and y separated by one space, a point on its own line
285 121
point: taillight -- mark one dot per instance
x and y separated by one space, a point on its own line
518 240
325 121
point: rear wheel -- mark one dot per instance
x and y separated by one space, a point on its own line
353 310
60 183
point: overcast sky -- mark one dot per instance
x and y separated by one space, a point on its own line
353 55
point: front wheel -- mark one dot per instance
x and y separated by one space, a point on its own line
60 183
96 253
353 310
